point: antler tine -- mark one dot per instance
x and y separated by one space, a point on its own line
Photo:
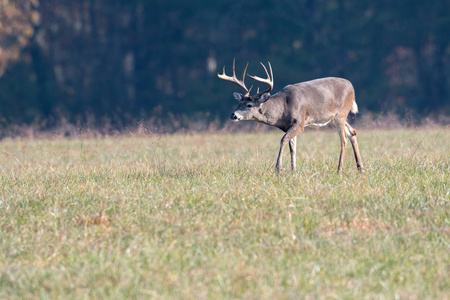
234 79
268 80
265 70
243 78
248 93
234 68
243 73
271 72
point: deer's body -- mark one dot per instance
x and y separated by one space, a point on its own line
313 103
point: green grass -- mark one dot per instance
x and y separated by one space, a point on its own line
206 216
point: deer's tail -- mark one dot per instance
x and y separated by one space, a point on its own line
354 107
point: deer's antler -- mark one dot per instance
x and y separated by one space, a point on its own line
234 79
268 80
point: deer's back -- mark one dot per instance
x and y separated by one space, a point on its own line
320 100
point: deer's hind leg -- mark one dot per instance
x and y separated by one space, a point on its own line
351 133
340 126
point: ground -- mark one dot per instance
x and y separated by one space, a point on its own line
206 216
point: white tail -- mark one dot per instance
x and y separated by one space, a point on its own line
354 108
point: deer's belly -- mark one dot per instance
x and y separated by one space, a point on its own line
317 124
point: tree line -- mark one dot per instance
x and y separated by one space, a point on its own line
134 60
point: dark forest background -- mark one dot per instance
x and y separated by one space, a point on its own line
128 61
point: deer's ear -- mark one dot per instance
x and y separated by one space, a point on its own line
238 96
264 97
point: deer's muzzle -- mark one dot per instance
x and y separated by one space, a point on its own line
235 117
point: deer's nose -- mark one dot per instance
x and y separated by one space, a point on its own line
233 116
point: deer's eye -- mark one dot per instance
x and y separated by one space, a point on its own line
249 105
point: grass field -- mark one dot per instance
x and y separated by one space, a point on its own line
206 216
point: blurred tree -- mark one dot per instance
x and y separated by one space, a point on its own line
17 19
130 60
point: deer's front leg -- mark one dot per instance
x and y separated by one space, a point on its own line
280 157
293 148
290 134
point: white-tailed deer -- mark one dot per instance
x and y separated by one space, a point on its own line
313 103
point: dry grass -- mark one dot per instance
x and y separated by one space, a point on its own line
206 216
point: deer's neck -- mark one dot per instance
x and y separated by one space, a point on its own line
272 112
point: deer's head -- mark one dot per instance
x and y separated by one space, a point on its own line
248 104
